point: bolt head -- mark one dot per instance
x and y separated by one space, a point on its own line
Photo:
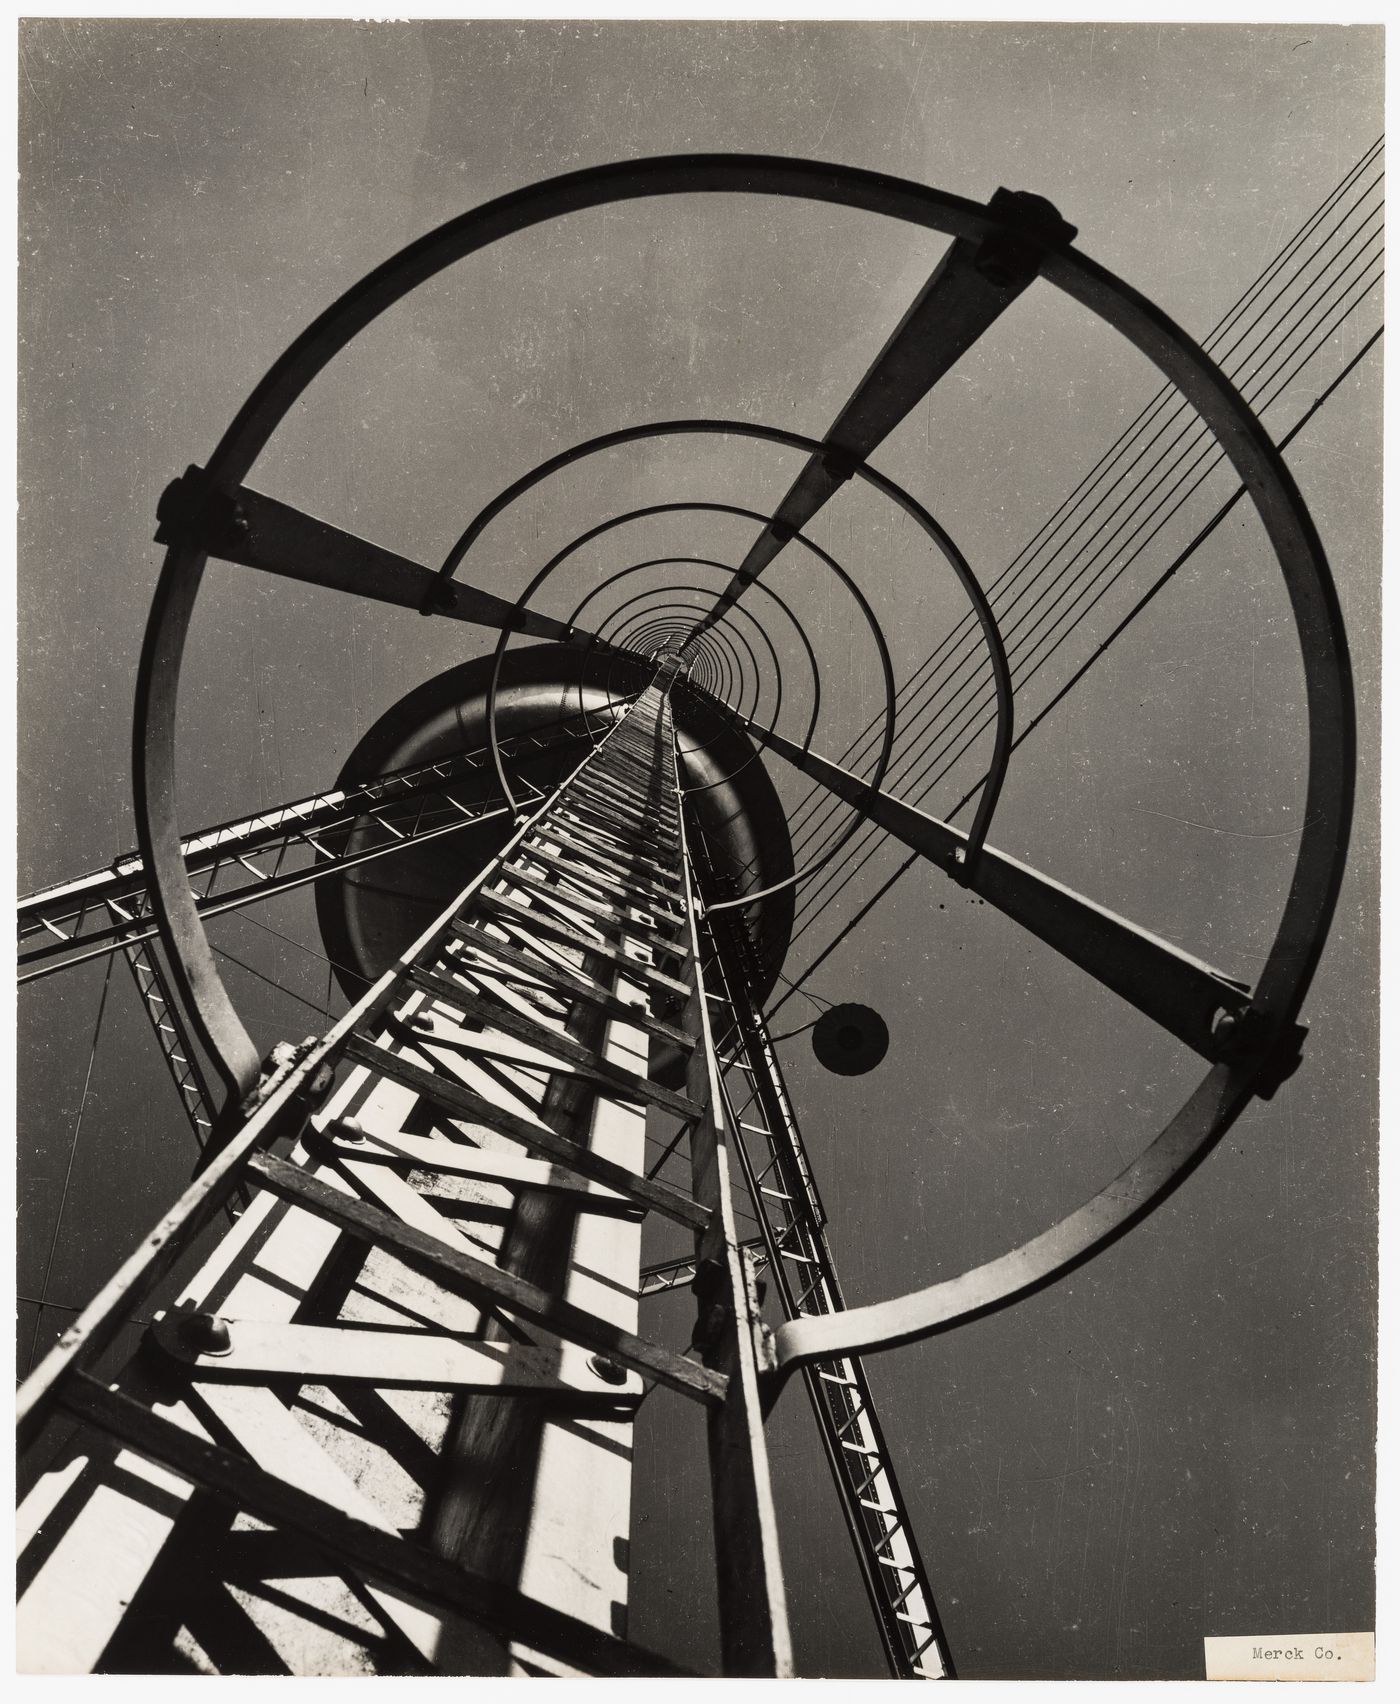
206 1334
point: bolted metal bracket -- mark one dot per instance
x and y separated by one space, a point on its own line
1277 1048
442 595
839 463
283 1059
193 511
279 1064
1030 225
765 1354
326 1143
713 1311
607 1370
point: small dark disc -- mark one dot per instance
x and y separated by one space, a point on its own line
850 1040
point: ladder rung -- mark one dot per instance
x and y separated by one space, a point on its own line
459 1271
531 918
538 1034
629 891
453 1158
638 791
570 982
614 802
458 1101
627 867
581 902
380 1555
260 1350
629 831
623 805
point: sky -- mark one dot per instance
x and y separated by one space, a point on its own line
1175 1442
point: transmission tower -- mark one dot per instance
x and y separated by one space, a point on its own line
394 1335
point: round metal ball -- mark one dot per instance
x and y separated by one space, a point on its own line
850 1040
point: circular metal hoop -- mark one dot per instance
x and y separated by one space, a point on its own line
1317 874
656 625
982 609
1001 672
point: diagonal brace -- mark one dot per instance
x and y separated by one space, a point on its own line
972 286
255 531
1210 1012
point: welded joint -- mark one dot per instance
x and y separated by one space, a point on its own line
962 864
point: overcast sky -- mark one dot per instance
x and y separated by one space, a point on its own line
1174 1443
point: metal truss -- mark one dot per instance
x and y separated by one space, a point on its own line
425 1321
280 848
664 1275
160 1007
789 1209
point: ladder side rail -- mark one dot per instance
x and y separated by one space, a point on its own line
181 1060
753 1613
775 1240
279 1102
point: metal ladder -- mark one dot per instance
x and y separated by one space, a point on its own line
385 1426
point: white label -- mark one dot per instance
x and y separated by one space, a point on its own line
1292 1656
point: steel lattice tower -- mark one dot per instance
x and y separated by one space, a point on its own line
398 1347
